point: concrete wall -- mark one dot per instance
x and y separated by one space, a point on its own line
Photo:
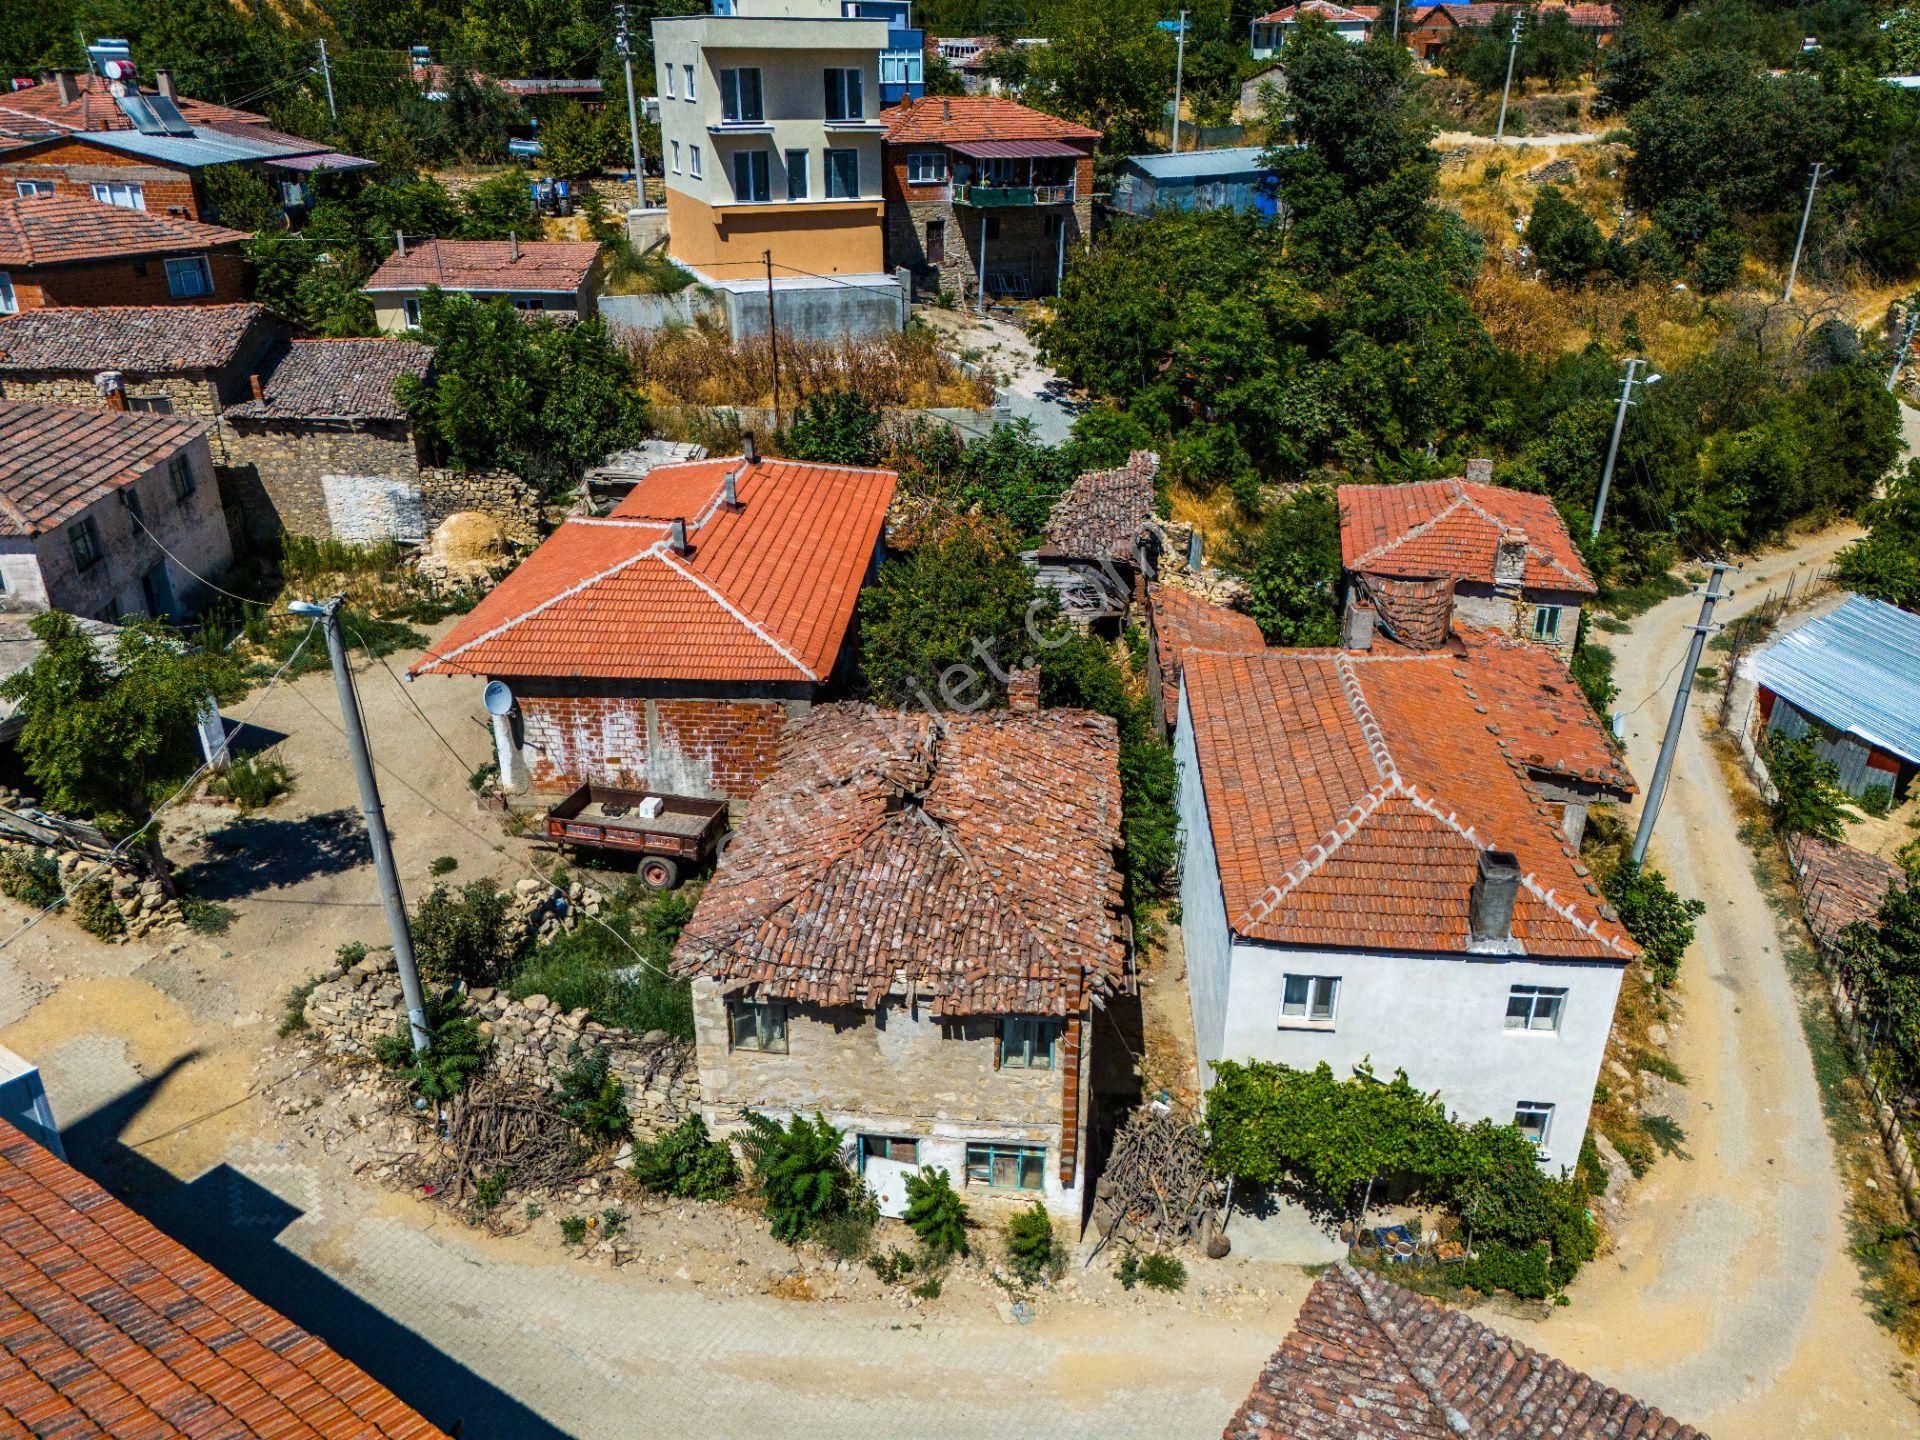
1203 906
896 1071
358 481
825 312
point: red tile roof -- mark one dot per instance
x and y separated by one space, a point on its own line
108 1328
967 857
93 108
1350 797
337 380
1182 621
1367 1360
1543 713
765 592
1453 527
944 119
61 229
1325 10
146 339
55 462
1102 515
551 266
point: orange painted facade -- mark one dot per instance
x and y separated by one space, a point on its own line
815 237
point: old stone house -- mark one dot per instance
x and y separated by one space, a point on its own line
163 359
911 933
1101 542
667 645
976 184
104 513
324 448
558 277
61 250
1424 560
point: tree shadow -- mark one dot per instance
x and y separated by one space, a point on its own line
257 852
233 1223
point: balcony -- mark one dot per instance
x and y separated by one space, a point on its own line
1008 197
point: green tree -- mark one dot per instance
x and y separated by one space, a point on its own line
1567 244
1108 66
466 937
457 1052
1660 922
940 77
239 199
1886 564
936 1213
800 1172
576 141
1881 962
1292 567
836 427
1808 799
686 1164
497 207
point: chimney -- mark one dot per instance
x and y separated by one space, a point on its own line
1023 691
163 82
1491 908
946 110
401 241
112 386
63 82
1510 558
1356 627
513 246
748 449
1480 472
679 541
259 390
729 491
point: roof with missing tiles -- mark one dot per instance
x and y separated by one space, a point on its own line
55 462
1102 515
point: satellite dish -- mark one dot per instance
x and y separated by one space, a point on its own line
497 698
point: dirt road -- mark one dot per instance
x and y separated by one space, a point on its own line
1732 1301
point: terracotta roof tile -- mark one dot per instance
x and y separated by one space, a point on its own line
1367 1360
55 462
148 339
61 229
93 108
1540 710
1182 621
765 592
945 119
1102 514
1454 527
970 857
1839 884
1350 797
1323 8
108 1328
337 380
554 266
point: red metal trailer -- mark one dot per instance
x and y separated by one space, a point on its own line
682 833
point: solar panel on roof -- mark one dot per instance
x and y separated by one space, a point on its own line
169 115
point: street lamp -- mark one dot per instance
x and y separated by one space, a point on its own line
1652 377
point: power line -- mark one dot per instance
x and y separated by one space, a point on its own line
140 520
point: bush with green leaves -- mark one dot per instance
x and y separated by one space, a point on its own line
1807 799
835 427
468 936
686 1163
30 876
1659 921
573 1229
1291 562
616 969
90 905
456 1054
1592 671
253 782
801 1172
594 1099
936 1213
1032 1248
1877 800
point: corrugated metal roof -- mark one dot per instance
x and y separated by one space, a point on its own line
1857 669
1016 150
1202 164
204 147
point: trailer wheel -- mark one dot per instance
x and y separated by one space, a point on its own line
659 873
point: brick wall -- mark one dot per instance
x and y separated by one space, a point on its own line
720 747
189 393
73 166
1023 241
126 282
274 469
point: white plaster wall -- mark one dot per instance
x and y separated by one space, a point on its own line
1442 1019
1203 908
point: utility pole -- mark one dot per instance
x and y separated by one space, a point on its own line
1513 49
1656 792
1179 74
1906 342
980 298
1805 215
1613 445
773 339
327 612
327 71
623 42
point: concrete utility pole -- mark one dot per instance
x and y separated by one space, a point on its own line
1613 445
773 338
1179 73
327 612
1805 215
1513 49
327 71
1906 342
1656 792
980 298
623 42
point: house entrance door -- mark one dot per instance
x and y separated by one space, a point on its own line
885 1163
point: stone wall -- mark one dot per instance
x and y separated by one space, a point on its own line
499 493
187 394
1483 607
144 907
532 1041
275 476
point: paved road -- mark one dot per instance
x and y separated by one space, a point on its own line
1732 1301
1033 391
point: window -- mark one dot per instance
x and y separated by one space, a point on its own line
1534 1007
740 96
796 174
151 404
528 302
843 94
294 194
758 1025
902 67
24 188
130 498
669 69
750 177
936 242
1309 999
8 301
676 157
903 1148
693 161
927 167
843 174
1027 1043
1534 1121
412 306
180 472
1546 622
126 196
1007 1167
189 276
85 539
687 72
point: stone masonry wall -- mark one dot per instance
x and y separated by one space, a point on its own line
685 747
189 394
1482 607
499 493
273 470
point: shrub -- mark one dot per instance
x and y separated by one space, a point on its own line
491 1189
92 908
848 1237
836 427
1660 922
1592 670
936 1213
686 1164
1808 799
612 1221
1521 1271
466 937
30 876
442 865
456 1053
293 1011
573 1229
594 1099
1031 1247
1877 800
893 1267
253 782
1161 1271
799 1171
207 917
616 969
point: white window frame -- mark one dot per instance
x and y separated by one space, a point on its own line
844 95
1318 1005
693 161
1550 630
127 194
767 1034
1536 1003
411 308
797 177
676 156
758 189
902 67
687 72
179 266
1531 1110
1029 1042
926 167
27 189
9 301
831 192
733 96
668 67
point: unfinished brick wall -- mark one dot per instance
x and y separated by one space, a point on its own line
692 746
74 165
126 282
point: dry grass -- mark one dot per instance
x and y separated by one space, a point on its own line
699 365
1212 515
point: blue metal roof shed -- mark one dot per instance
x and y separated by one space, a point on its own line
1229 179
1856 672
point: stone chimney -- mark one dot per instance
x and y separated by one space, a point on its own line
63 83
1480 472
1356 626
1491 909
163 82
1023 691
1510 558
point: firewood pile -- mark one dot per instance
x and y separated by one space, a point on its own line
494 1127
1157 1188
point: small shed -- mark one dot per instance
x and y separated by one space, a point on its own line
1851 680
1232 179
